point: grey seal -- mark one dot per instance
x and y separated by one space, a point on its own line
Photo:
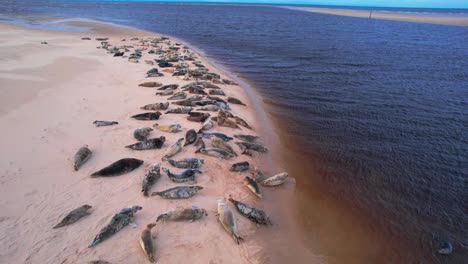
218 135
215 152
248 138
276 180
240 166
74 215
253 186
180 110
105 123
81 156
117 223
226 217
219 143
146 242
152 143
150 84
156 106
119 167
142 134
188 163
173 149
183 214
256 215
251 146
185 176
147 116
233 100
180 192
151 176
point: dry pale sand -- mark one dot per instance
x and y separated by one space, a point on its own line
51 94
433 18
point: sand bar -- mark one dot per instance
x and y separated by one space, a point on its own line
51 95
433 18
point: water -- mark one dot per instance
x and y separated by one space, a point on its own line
373 115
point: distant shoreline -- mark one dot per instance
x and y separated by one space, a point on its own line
432 18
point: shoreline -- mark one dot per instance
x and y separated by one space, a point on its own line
254 254
431 18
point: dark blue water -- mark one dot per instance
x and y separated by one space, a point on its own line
374 113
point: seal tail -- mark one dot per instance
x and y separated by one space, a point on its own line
162 217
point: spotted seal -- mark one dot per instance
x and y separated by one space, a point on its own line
152 143
226 217
141 134
180 192
185 176
188 163
119 167
74 215
117 223
256 215
151 176
183 214
146 242
253 186
81 156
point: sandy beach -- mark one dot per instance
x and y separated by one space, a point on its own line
52 93
433 18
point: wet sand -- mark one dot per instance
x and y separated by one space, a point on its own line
51 95
433 18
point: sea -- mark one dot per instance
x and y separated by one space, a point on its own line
372 115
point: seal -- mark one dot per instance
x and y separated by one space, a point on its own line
178 96
226 122
188 163
184 103
276 180
86 38
142 134
147 116
180 192
81 156
247 138
216 92
196 97
105 123
174 128
151 176
173 149
199 143
99 262
252 146
218 143
146 242
169 86
156 106
240 166
165 92
212 108
226 217
255 215
218 135
258 175
117 223
152 143
241 122
206 126
190 137
215 152
253 186
185 176
197 117
180 110
74 216
150 84
183 214
119 167
233 100
153 73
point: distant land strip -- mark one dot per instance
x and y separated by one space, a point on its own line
433 18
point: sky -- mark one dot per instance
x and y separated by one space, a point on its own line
376 3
